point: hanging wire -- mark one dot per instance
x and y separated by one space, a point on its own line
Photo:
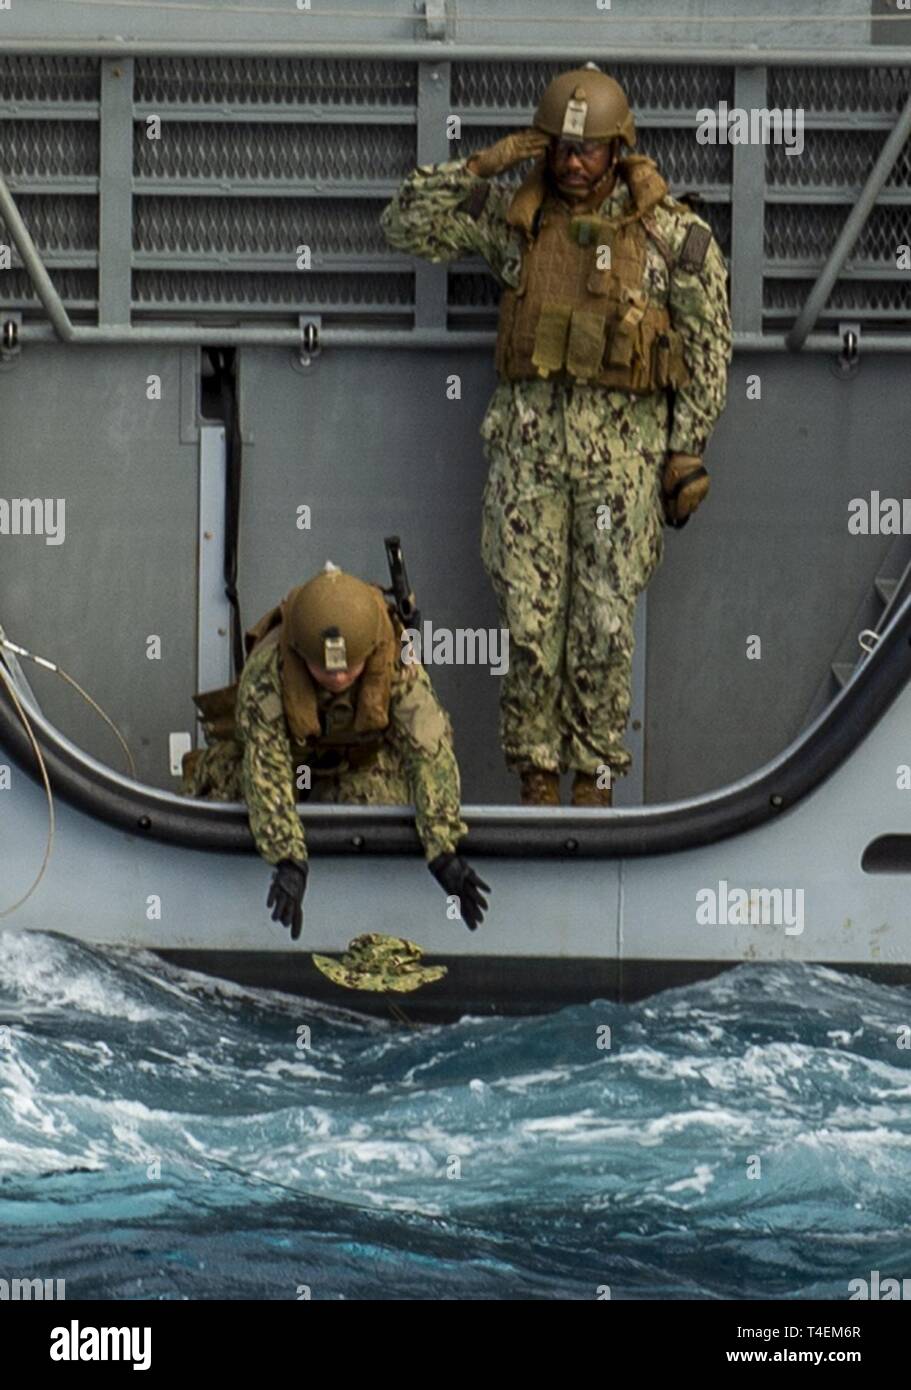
11 691
70 680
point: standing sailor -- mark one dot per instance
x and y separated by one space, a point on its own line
612 353
324 695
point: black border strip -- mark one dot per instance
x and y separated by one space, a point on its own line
767 793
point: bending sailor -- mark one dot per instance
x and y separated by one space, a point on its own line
326 702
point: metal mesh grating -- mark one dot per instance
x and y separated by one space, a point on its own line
31 77
685 163
839 91
888 299
255 152
73 286
835 158
520 85
794 233
267 81
474 291
41 149
59 224
259 225
188 290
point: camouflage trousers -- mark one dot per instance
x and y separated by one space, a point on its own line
572 531
216 773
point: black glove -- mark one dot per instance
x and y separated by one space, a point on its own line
458 879
286 893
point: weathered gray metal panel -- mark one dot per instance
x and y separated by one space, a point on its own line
576 26
115 191
78 426
430 281
748 211
768 555
213 662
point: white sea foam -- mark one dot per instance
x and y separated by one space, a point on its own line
42 971
701 1181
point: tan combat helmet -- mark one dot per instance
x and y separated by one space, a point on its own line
335 620
585 104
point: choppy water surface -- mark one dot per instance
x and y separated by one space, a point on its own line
494 1158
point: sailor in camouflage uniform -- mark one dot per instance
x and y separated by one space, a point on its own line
327 702
612 353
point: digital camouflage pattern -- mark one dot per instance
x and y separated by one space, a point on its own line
384 964
415 764
566 575
573 521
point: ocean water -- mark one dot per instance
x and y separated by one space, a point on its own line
165 1136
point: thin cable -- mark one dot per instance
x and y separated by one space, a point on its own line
110 723
59 671
51 825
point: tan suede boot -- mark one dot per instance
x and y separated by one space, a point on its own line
586 791
540 788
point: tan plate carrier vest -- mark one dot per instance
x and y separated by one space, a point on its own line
573 316
330 734
333 749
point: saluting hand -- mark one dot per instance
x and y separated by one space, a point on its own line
511 150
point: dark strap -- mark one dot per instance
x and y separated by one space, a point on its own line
667 254
474 202
227 386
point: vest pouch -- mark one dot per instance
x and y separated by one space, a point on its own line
585 349
621 346
626 329
599 282
217 710
641 373
551 333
